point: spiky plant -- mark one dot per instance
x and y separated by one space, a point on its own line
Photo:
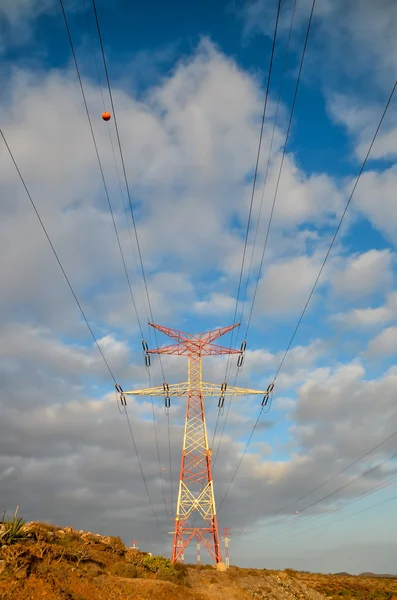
12 530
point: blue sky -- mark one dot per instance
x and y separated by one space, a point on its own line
188 84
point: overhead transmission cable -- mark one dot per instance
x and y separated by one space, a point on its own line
99 162
129 201
299 529
255 178
281 163
134 254
355 514
252 199
340 488
83 315
128 191
114 223
124 170
257 222
317 278
126 209
317 487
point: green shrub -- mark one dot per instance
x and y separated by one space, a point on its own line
122 569
134 557
155 563
12 530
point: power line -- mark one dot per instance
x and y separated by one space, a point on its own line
100 163
76 300
356 513
57 257
134 225
369 492
113 220
335 475
322 267
344 486
112 146
361 496
277 186
257 227
126 208
282 159
249 219
140 467
128 194
337 230
158 449
255 178
124 169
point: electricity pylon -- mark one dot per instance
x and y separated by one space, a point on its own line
196 488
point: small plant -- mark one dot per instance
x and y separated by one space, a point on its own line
40 533
134 557
122 569
12 530
81 555
18 559
117 545
41 549
155 563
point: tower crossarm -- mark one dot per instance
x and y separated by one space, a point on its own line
175 334
174 389
173 349
214 389
214 349
182 389
184 349
211 336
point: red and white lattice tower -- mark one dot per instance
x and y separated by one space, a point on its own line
195 511
198 554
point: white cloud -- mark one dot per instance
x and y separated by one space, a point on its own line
364 274
217 303
384 344
285 285
375 198
368 317
361 120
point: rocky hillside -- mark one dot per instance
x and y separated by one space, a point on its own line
40 561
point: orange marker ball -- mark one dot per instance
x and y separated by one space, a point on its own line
106 116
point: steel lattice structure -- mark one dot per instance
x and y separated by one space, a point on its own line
196 500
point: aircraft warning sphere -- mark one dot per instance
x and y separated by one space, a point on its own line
106 116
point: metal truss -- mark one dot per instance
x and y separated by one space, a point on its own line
195 512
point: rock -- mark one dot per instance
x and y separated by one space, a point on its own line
221 567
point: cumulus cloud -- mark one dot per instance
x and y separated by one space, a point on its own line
375 199
384 344
285 285
363 274
369 317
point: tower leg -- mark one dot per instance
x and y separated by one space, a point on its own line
195 512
